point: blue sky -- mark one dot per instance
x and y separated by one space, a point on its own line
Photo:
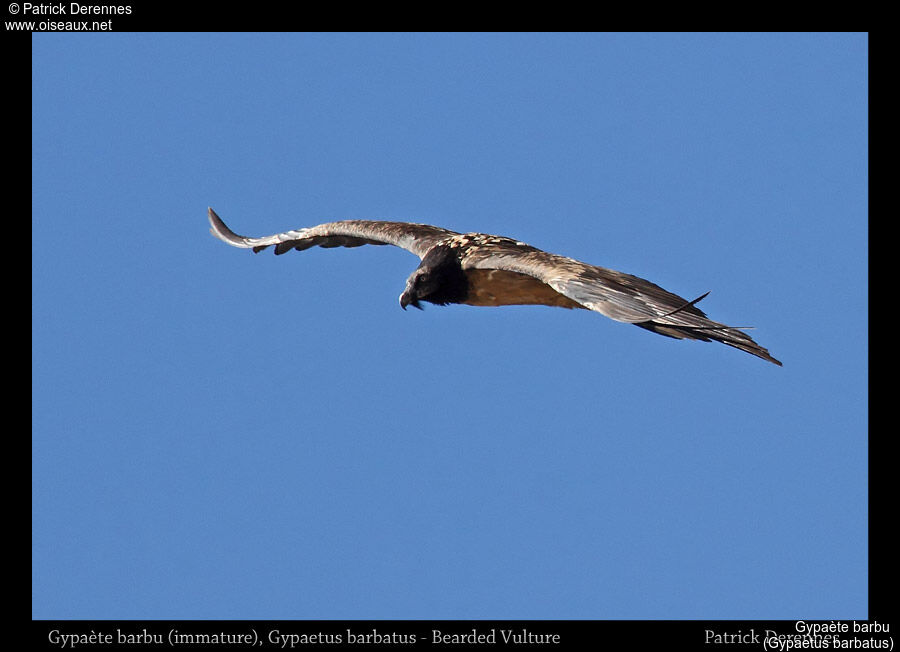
222 435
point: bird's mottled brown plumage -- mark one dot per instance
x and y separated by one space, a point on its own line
486 270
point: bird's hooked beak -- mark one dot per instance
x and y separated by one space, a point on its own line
407 299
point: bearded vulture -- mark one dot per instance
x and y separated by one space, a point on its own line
488 270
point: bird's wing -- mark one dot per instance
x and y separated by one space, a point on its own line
617 295
620 296
416 238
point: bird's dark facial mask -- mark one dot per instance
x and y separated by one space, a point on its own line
439 279
416 288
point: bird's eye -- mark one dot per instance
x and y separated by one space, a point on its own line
423 278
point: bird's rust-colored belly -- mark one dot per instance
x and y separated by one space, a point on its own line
496 287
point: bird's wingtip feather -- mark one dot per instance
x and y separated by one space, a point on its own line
222 232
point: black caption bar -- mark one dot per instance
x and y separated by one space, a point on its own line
446 635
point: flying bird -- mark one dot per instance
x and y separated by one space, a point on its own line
477 269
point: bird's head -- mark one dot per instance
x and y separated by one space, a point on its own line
438 279
419 286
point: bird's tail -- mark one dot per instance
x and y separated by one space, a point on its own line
687 322
711 332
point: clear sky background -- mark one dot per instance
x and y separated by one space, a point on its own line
223 435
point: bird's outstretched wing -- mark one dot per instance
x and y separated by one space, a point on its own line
416 238
617 295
